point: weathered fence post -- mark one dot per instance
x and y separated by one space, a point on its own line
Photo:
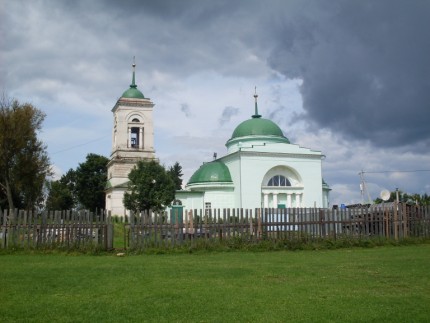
259 230
395 219
4 229
109 233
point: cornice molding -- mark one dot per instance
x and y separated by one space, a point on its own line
240 153
144 103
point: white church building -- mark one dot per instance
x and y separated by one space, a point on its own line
261 168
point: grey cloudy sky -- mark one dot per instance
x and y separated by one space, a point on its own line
349 78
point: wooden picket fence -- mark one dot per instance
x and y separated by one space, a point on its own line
83 229
392 222
56 229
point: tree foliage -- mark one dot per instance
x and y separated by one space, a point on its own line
150 187
90 181
62 193
80 188
24 162
175 172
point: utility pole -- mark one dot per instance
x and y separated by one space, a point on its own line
363 188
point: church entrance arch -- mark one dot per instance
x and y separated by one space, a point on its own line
282 187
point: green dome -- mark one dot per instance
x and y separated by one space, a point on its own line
258 127
215 171
133 93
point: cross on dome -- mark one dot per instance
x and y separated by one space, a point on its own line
133 83
133 92
256 115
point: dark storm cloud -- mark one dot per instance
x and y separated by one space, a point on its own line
364 64
226 115
185 37
365 67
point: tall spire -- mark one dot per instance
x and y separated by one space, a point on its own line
133 83
256 115
132 92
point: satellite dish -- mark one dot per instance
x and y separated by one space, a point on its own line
385 195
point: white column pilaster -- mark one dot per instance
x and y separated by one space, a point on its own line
129 138
298 200
288 200
141 137
275 200
266 200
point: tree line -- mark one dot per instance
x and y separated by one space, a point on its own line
26 174
150 185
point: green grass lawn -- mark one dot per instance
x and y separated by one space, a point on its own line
118 236
385 284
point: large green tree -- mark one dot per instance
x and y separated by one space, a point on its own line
91 177
24 162
150 187
175 172
62 193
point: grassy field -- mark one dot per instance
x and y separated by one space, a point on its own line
386 284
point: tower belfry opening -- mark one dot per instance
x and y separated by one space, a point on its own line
134 137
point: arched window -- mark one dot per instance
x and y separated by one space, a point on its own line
279 180
135 120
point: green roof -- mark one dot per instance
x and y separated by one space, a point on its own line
257 127
213 172
324 184
109 185
133 93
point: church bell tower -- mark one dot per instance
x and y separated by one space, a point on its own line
132 141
